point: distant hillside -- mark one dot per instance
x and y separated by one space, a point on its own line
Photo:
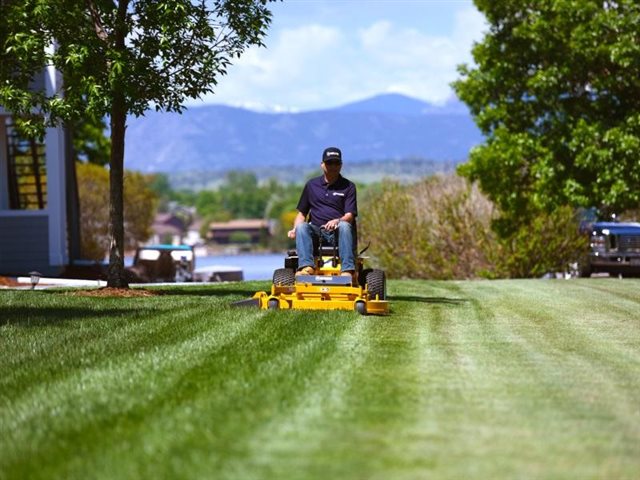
367 171
220 138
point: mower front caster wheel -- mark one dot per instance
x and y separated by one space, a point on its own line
361 308
273 304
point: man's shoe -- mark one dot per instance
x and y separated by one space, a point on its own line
306 271
351 274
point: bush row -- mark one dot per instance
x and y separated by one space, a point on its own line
441 228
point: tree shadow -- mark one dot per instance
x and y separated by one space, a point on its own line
432 300
208 291
46 316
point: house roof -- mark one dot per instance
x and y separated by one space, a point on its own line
166 222
160 229
241 223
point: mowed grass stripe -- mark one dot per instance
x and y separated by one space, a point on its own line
309 425
558 401
359 420
347 423
594 369
220 404
452 428
101 402
77 333
495 402
588 340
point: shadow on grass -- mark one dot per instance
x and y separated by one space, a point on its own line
433 300
208 291
46 316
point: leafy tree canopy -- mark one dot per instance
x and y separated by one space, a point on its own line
119 57
154 52
556 90
90 143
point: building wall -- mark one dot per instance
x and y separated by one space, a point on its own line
36 239
26 248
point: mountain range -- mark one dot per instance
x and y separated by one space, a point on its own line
381 129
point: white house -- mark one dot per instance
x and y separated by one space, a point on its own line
35 203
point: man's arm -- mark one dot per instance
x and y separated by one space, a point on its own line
300 218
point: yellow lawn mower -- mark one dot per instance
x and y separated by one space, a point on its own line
326 289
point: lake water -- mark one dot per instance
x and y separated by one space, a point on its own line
255 266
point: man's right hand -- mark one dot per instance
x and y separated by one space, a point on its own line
291 233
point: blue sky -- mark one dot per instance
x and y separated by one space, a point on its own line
324 53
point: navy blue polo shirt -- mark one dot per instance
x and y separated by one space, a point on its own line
323 201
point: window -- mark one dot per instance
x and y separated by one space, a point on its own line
26 171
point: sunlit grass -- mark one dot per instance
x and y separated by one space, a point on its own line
465 379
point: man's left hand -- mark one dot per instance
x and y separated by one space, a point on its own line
331 225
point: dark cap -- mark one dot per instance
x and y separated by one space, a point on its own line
332 154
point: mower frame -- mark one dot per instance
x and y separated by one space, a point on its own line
327 289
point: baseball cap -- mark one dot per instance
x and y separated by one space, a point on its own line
332 154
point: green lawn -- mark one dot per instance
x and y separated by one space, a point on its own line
486 379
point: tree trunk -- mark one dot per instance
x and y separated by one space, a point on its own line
73 200
116 277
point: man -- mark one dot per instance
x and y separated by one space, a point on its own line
331 204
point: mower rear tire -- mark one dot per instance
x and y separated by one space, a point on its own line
362 276
377 284
284 276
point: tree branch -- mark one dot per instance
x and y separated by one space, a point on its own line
97 24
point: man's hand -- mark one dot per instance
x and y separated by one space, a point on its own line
291 233
331 225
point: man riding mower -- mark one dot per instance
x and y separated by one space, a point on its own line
326 288
317 277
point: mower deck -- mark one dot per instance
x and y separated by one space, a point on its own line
321 292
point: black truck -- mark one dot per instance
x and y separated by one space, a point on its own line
614 248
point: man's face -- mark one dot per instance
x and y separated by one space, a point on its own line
331 168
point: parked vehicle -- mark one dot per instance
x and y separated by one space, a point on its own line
163 263
614 248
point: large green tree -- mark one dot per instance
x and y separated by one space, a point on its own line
119 57
556 90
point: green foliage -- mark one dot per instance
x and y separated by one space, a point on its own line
151 52
550 242
209 205
440 228
556 90
241 196
160 184
487 380
90 143
240 237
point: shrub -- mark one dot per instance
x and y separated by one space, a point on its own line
437 228
240 237
441 228
549 243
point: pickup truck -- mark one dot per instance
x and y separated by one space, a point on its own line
614 247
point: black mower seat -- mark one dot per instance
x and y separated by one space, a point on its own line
325 251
